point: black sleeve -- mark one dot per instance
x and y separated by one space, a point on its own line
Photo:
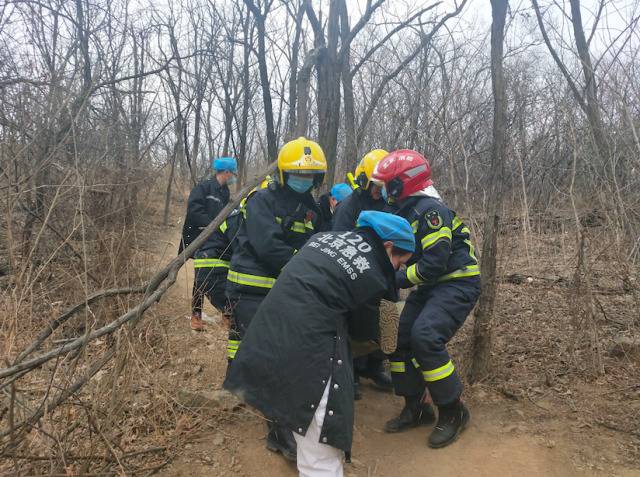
197 207
364 319
265 234
345 215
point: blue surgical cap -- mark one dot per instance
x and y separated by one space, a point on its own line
225 164
341 191
389 227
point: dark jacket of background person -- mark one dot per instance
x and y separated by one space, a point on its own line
348 210
325 211
299 337
206 200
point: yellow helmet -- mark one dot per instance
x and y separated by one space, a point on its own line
303 156
367 164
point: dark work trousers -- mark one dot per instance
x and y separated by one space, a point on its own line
209 282
369 364
430 318
243 309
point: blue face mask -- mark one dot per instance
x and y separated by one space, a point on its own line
299 184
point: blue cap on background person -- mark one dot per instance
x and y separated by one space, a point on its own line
389 227
221 164
341 191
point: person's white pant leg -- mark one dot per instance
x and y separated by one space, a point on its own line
316 459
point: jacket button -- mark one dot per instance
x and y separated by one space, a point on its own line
324 381
335 386
324 439
330 412
339 361
299 430
313 406
331 359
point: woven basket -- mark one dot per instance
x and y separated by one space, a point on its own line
388 323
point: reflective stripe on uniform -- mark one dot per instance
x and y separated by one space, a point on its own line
431 239
210 263
470 271
397 366
439 373
224 226
300 227
250 280
414 226
456 223
415 363
472 250
413 275
232 348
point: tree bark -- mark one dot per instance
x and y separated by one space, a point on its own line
260 18
484 312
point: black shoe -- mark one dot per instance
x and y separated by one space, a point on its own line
452 419
357 394
413 414
381 379
281 440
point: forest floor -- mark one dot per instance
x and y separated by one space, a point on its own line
539 414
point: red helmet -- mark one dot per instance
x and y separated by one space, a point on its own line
403 172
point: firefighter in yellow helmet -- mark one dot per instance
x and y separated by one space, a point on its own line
278 221
366 196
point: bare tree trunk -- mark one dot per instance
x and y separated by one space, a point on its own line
350 146
167 197
260 18
328 97
592 106
293 78
247 32
484 312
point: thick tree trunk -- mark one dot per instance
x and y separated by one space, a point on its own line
350 147
247 32
484 312
328 98
272 143
293 78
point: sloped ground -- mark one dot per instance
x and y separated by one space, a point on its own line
539 414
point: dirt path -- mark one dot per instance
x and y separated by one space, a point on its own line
505 437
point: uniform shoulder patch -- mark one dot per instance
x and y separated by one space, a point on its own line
433 219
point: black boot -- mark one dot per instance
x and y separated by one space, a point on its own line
414 413
380 378
280 439
452 419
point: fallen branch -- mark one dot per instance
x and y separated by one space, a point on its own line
154 290
52 326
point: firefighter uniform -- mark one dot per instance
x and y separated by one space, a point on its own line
446 271
277 223
211 264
